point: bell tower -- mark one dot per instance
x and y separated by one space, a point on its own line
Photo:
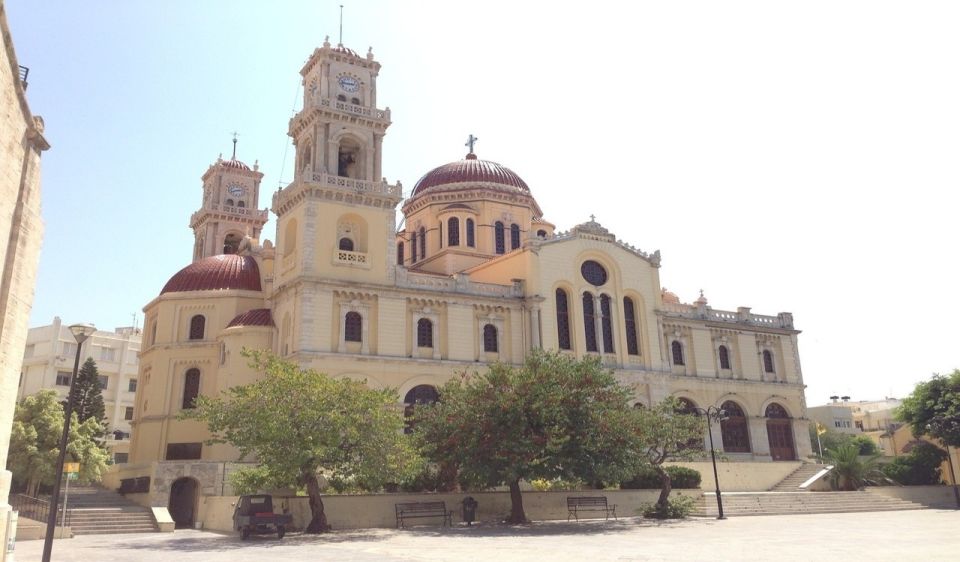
231 193
336 220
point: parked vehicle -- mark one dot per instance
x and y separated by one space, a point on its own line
254 515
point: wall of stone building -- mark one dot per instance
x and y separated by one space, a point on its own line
21 231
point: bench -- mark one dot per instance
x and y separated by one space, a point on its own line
580 504
419 510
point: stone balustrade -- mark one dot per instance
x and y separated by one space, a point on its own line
457 284
362 186
353 109
740 316
233 210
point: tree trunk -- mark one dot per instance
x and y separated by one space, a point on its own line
516 504
665 487
318 520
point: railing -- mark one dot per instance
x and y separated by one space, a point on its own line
351 258
372 112
37 509
742 316
361 186
244 211
24 71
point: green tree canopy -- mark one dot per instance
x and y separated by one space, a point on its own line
554 417
88 395
851 471
667 434
35 442
933 408
301 424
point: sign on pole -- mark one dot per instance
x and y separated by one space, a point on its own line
69 467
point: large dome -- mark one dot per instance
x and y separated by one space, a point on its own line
223 272
470 170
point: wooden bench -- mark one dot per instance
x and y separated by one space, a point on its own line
580 504
419 510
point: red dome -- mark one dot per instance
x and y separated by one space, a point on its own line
255 317
345 50
217 273
470 170
234 164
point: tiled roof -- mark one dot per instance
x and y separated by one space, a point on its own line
234 164
226 271
255 317
470 170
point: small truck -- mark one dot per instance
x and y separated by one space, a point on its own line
254 515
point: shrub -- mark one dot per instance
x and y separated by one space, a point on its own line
648 479
920 467
678 507
556 485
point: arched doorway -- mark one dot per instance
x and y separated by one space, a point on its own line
736 439
183 502
780 433
420 394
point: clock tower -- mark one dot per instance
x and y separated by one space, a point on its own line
231 192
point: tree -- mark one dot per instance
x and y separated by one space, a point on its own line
554 417
35 442
851 471
88 395
933 408
667 433
921 466
834 440
300 424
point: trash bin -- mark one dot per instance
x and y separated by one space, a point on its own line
469 510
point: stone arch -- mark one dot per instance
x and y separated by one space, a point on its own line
231 242
780 432
354 228
734 430
182 505
351 157
419 394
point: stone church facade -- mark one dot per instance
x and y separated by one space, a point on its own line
475 274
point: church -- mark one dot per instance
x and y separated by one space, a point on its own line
475 274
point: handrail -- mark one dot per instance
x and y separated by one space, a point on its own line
37 509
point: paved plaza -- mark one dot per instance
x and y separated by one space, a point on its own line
927 535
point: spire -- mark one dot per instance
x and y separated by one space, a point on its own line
341 25
235 135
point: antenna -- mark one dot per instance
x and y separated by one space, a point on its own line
341 24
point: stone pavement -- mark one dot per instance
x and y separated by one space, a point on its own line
903 536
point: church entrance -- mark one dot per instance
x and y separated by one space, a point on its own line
183 502
780 433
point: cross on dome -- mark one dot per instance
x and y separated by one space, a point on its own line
471 140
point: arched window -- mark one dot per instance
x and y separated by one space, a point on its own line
677 350
424 333
734 429
346 245
423 243
500 245
589 323
541 234
191 388
563 320
724 357
197 325
453 231
490 338
228 202
400 253
606 324
630 324
341 97
776 411
241 204
767 361
470 239
413 247
421 394
514 236
153 333
355 101
352 327
686 406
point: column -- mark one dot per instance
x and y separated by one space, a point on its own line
535 327
759 442
377 147
598 323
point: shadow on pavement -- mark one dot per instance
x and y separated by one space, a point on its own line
210 541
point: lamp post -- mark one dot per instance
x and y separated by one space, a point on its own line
718 415
80 332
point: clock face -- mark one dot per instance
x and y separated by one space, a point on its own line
349 83
235 190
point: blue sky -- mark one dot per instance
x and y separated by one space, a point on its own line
786 156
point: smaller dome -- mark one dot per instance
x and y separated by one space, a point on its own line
669 297
345 50
217 273
255 317
233 164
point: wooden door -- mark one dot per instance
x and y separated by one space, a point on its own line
780 435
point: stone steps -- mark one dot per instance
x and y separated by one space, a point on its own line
792 503
97 511
793 480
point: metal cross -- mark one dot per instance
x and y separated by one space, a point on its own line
593 218
470 142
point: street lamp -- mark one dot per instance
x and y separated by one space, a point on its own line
80 332
718 415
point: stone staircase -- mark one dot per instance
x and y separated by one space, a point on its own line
97 511
792 482
794 503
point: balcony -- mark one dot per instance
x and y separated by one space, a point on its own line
260 214
360 186
356 259
352 109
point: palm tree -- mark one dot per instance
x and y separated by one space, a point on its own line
850 470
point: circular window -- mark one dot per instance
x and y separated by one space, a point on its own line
594 273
